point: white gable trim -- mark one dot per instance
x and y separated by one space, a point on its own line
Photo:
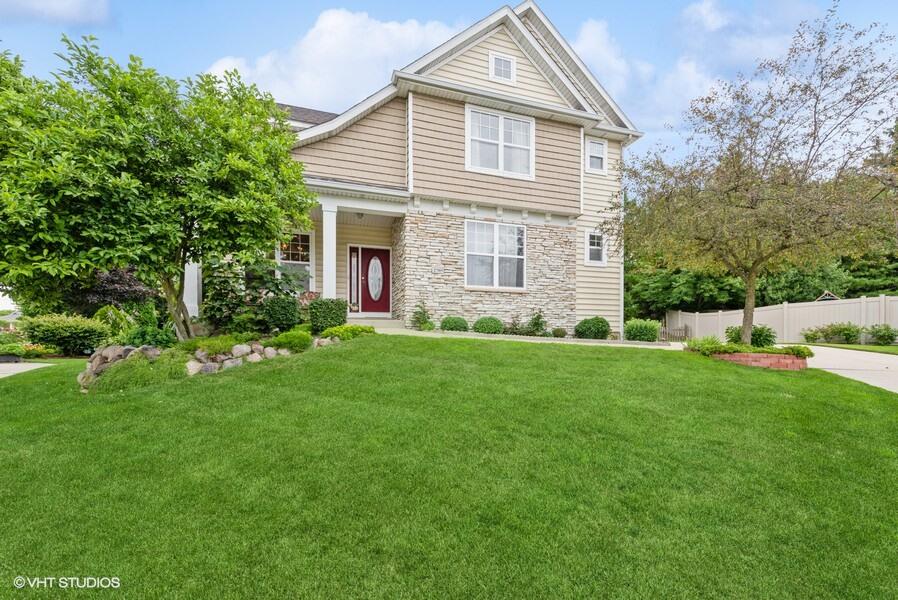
586 73
472 35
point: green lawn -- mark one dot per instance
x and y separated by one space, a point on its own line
863 347
400 467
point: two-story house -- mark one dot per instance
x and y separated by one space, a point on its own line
472 182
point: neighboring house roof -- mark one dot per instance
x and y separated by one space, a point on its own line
588 102
308 116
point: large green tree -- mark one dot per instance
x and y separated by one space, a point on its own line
772 174
110 165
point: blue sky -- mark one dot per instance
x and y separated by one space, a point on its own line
653 56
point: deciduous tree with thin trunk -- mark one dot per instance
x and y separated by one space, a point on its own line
773 168
110 165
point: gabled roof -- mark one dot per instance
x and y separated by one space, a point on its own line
540 42
570 62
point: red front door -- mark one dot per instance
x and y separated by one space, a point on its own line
375 280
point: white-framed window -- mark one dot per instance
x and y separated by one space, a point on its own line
499 143
297 257
596 252
495 255
596 156
503 68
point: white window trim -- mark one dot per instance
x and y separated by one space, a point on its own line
595 263
514 68
311 263
587 153
500 172
495 255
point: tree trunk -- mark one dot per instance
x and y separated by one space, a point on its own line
176 309
748 311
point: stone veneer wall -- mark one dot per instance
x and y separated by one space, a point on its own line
429 266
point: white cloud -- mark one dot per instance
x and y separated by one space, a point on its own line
58 11
343 58
707 15
601 52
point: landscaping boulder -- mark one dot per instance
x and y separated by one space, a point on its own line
254 358
257 347
270 352
231 362
240 350
103 358
193 367
211 367
202 356
283 352
151 352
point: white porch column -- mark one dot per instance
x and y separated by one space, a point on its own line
329 247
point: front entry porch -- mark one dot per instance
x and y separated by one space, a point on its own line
353 254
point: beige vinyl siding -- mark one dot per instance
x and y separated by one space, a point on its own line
357 235
472 68
598 288
439 162
372 150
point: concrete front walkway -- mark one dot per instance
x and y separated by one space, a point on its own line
876 369
7 369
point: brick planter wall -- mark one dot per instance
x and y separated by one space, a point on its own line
429 267
782 362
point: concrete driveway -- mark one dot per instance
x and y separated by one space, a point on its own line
7 369
874 368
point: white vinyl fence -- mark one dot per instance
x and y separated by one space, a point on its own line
788 320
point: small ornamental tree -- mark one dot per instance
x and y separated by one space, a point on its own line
111 165
774 170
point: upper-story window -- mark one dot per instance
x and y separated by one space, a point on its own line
502 68
596 156
499 143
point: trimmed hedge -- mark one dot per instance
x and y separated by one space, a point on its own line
280 313
707 346
327 312
488 325
642 330
453 324
71 335
148 335
762 336
347 332
883 335
595 328
294 340
25 350
559 332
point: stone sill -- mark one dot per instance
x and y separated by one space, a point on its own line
469 288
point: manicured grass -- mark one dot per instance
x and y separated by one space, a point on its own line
863 347
401 467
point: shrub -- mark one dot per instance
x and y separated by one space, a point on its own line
150 336
347 332
137 371
536 325
219 344
307 327
453 324
845 333
72 335
116 319
883 335
707 346
488 325
559 332
421 318
515 328
280 313
811 335
294 340
642 330
26 350
762 336
595 328
247 321
326 312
